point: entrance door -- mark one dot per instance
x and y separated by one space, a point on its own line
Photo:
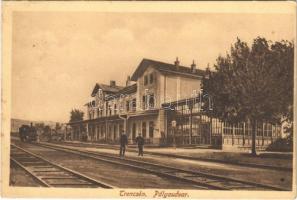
144 130
134 131
115 132
151 129
205 133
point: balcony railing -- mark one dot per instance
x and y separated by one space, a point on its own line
125 112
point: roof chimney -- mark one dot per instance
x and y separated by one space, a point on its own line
128 81
193 67
112 83
176 63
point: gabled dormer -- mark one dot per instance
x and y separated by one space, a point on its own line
159 82
112 88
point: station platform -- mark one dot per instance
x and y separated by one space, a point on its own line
270 160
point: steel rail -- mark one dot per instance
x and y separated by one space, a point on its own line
79 176
167 175
216 178
43 183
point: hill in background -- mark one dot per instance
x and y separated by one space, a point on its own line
17 123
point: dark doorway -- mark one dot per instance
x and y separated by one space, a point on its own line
151 129
115 132
143 129
133 131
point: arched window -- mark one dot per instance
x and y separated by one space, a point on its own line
151 101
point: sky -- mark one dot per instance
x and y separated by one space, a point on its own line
57 57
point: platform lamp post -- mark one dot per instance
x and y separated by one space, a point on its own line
207 98
65 133
191 122
125 118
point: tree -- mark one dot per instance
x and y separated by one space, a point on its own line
76 115
40 126
47 129
253 84
58 126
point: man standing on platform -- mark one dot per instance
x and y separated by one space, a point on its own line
140 142
123 143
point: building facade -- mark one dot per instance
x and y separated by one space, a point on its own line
193 126
141 107
136 108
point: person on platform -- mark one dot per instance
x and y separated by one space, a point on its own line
140 142
22 133
123 143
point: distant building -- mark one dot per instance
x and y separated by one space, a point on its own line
140 107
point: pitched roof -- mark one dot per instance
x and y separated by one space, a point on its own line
166 68
106 88
126 90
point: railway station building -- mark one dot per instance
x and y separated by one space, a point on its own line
160 102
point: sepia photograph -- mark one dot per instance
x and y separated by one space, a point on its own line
148 99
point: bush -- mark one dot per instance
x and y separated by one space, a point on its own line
281 144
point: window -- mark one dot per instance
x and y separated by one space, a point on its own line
145 80
100 91
151 129
115 109
248 129
134 131
109 108
127 105
144 102
133 104
97 132
227 128
151 78
144 129
278 131
121 128
109 132
151 101
102 131
267 129
106 107
122 107
259 127
115 132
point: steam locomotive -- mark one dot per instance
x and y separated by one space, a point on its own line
28 133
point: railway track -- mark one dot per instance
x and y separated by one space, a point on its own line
49 174
199 179
245 164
